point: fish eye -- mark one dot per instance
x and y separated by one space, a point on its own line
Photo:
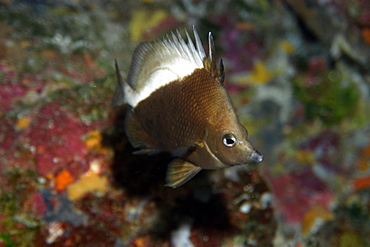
229 140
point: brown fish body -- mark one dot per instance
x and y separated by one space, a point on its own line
190 116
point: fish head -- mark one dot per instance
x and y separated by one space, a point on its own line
228 141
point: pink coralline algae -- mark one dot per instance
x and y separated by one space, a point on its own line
326 149
55 135
12 90
35 204
297 74
239 54
297 192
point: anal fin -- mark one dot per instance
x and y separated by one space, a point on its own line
146 151
179 172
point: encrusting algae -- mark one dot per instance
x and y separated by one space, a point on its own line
178 104
90 182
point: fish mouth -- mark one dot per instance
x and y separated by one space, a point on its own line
256 156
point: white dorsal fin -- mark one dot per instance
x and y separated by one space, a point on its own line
200 49
155 64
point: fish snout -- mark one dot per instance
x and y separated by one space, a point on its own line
256 156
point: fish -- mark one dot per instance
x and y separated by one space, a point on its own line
178 104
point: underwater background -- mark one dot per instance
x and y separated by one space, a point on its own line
297 72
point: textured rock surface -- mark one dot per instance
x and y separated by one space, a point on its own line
297 74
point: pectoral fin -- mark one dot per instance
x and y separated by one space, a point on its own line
179 172
182 151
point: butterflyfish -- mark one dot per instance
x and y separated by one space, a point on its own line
178 104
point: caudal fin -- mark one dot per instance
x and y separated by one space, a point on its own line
118 98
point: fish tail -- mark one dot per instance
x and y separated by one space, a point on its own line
122 87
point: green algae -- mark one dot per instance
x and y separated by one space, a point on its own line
6 240
347 228
329 98
19 227
69 33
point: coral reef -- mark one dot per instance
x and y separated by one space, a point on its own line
298 75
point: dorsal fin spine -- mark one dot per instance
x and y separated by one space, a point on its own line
200 49
211 47
185 47
191 45
222 72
